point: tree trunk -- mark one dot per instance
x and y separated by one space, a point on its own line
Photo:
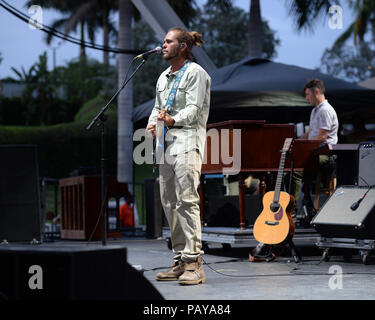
125 99
82 51
255 31
105 36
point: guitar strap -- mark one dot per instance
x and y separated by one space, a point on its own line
160 134
176 83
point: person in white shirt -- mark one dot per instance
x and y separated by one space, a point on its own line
323 119
323 126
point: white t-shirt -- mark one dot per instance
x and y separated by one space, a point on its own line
323 116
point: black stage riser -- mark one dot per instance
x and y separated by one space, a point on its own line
336 219
32 272
20 218
223 211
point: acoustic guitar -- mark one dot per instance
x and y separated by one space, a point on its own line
158 143
275 225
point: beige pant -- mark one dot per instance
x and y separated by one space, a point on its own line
179 181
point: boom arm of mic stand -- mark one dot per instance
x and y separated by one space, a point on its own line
102 119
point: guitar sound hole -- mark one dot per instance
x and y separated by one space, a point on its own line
274 207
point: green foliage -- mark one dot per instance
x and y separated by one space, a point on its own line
82 80
225 30
64 147
144 81
12 111
39 96
350 63
52 97
91 108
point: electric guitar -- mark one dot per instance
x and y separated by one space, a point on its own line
275 225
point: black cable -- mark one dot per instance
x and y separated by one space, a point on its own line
104 200
245 276
63 36
292 272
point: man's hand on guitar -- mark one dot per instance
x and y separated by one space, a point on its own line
164 116
151 129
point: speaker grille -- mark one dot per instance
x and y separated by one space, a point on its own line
366 169
337 219
19 193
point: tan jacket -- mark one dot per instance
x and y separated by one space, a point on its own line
190 109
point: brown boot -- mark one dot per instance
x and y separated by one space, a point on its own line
172 274
194 273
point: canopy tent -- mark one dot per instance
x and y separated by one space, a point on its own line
369 83
266 90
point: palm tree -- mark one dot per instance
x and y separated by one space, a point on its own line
125 99
255 30
67 7
29 78
96 13
306 12
82 15
365 18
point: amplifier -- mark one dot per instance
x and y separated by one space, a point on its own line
366 168
340 218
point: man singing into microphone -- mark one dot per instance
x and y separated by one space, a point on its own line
185 88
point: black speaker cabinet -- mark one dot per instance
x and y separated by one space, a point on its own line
223 211
336 219
366 170
154 209
41 272
20 218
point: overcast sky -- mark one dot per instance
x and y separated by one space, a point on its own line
21 46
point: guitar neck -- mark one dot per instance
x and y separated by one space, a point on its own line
279 179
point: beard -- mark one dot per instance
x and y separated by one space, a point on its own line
171 55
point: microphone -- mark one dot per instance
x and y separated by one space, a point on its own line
150 52
355 205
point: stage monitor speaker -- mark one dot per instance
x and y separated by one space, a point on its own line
366 169
337 219
41 272
20 218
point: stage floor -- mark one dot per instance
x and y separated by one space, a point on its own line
230 276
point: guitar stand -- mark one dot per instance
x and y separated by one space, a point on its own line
264 252
294 252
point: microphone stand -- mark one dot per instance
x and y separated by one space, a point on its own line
102 118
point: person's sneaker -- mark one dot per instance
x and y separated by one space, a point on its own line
173 274
194 273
